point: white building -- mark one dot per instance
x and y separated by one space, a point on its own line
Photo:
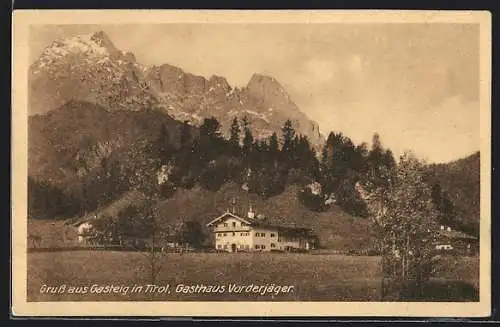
84 231
235 233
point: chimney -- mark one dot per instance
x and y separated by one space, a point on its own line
234 205
251 213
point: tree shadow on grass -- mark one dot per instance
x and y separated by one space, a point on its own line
439 291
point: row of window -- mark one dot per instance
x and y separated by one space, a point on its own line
233 234
245 234
233 224
264 234
263 247
246 246
226 246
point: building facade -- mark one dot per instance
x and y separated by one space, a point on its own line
234 233
450 240
84 231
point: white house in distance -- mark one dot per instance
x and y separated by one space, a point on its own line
84 230
234 233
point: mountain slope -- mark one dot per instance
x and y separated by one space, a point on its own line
71 140
335 228
90 68
460 180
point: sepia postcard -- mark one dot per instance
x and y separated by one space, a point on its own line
251 163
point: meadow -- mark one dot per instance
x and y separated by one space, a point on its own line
314 277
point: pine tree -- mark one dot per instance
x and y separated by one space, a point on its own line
288 137
162 147
247 139
211 128
210 142
325 159
234 137
360 155
379 166
185 134
274 145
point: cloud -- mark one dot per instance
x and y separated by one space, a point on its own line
318 71
356 64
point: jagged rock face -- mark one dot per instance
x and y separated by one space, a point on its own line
263 101
71 141
90 68
87 68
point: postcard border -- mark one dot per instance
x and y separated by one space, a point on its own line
22 19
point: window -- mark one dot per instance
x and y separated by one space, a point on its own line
224 234
234 224
225 224
257 234
241 246
219 246
273 245
219 235
272 234
262 247
257 246
262 234
225 246
247 246
234 233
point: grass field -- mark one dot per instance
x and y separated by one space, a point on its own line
322 277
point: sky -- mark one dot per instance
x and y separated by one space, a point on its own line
416 85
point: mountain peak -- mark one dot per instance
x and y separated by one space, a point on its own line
216 81
103 40
267 88
262 79
93 44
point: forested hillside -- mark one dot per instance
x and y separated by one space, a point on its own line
152 154
457 192
85 157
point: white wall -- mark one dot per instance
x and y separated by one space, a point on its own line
231 231
267 240
238 238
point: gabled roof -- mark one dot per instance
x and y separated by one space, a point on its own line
229 214
82 221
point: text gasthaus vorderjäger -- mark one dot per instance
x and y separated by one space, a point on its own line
260 289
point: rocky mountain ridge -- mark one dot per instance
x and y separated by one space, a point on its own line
90 68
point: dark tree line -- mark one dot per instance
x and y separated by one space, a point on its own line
98 188
264 165
267 165
47 201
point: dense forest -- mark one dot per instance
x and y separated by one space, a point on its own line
209 159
